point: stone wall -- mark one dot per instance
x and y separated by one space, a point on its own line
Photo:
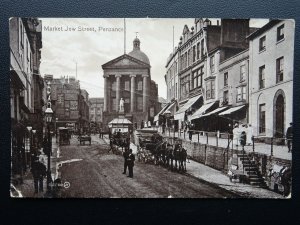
218 158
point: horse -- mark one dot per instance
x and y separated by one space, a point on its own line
183 157
176 154
169 157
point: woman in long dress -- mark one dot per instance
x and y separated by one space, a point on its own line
235 135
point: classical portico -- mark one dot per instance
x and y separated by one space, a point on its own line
128 77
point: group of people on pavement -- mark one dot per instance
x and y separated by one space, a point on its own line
240 129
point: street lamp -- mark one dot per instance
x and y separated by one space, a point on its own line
48 114
28 149
48 149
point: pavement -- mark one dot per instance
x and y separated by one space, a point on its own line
279 151
218 178
27 187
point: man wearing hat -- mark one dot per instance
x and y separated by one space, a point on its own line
38 171
130 163
289 136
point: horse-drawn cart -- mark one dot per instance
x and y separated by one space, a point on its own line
64 136
119 134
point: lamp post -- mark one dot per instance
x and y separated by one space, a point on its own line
28 149
48 115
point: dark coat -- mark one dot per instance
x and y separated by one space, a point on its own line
289 133
38 169
130 160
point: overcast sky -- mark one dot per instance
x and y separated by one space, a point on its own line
91 49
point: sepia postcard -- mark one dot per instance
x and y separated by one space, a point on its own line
151 107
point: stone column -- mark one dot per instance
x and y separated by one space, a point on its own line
132 94
145 92
118 87
106 100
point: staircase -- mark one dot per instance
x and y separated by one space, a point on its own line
252 171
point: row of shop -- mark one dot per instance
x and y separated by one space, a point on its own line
211 117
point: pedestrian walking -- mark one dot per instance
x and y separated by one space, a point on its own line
230 134
38 171
100 133
125 155
163 127
191 128
142 124
289 136
130 163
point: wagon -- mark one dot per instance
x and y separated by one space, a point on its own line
64 136
84 138
120 133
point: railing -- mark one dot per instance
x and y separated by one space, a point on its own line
223 139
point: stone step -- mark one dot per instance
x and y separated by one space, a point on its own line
255 183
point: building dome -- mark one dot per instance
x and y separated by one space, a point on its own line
137 53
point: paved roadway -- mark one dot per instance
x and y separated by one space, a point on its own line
99 175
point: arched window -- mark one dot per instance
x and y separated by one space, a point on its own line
279 114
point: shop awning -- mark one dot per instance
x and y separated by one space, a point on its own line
161 112
231 110
200 112
180 113
215 111
170 107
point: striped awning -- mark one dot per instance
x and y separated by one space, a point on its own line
200 112
179 115
161 112
215 111
231 110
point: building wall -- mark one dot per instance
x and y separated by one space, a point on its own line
267 95
21 60
232 67
96 110
69 103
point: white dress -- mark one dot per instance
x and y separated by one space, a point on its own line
249 132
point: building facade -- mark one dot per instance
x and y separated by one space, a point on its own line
200 52
70 104
271 63
96 111
128 77
25 44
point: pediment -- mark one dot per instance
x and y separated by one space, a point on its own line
125 61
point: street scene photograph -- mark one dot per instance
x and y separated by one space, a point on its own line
151 107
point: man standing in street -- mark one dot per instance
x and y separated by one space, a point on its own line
130 163
289 136
125 155
38 171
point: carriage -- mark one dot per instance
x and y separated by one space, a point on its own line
154 149
64 136
119 134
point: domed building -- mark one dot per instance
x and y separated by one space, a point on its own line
137 53
128 77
